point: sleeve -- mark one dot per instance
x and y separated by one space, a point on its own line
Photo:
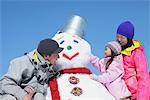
111 74
10 81
97 62
142 75
37 87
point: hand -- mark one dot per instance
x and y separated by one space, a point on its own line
133 97
92 57
29 90
91 76
27 97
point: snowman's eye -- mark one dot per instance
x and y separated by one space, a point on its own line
62 42
75 41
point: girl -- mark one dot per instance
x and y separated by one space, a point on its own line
111 67
136 74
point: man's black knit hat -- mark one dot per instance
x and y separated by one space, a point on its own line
48 47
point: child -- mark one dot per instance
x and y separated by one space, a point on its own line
111 67
135 62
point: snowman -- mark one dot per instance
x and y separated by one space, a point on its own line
74 82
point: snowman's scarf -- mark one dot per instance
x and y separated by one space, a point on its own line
53 83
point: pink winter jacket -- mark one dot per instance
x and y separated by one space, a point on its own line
112 77
136 72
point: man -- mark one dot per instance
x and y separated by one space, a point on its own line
135 65
28 76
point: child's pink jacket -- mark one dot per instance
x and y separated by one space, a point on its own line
112 77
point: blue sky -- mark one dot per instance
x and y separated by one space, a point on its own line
24 23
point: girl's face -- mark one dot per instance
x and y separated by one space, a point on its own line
121 39
107 52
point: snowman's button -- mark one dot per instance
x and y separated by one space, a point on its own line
76 91
73 80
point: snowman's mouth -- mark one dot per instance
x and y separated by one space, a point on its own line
70 58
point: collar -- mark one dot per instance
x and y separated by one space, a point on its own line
38 58
129 50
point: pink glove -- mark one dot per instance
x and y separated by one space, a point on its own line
93 77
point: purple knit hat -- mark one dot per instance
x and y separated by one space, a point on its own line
126 29
114 46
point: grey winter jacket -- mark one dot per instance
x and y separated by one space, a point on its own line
24 72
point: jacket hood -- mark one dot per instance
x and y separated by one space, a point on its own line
37 57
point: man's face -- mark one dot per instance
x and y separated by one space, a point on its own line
121 39
52 58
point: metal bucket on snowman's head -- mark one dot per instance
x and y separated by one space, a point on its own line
75 25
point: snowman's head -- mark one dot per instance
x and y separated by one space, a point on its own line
76 51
